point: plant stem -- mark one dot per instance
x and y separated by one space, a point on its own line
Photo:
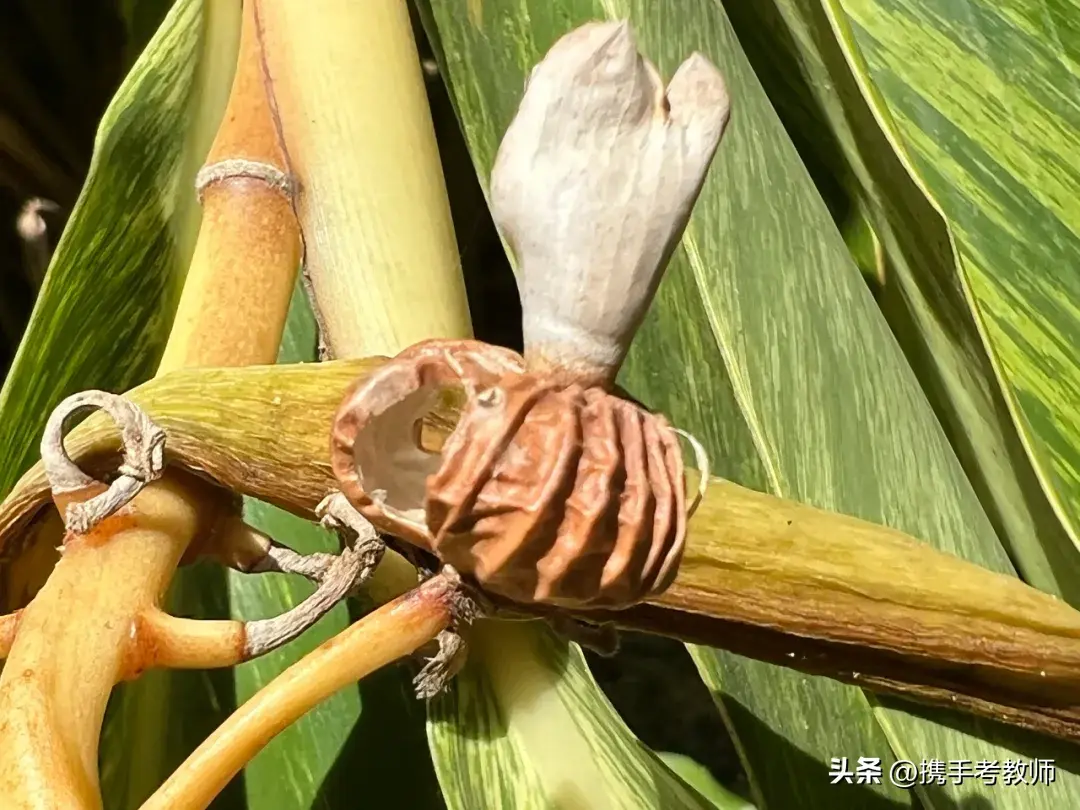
236 296
188 643
395 630
64 662
379 241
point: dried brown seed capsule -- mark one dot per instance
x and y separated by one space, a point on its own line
545 492
551 489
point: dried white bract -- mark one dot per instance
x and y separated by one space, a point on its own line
593 185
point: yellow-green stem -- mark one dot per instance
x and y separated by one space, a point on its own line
394 630
60 671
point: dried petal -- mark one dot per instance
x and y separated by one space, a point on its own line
575 564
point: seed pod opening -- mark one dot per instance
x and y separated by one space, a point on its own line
377 452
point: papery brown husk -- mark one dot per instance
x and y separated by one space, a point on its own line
546 491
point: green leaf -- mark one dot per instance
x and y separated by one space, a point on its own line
818 89
525 726
766 343
986 120
699 777
372 734
929 298
104 311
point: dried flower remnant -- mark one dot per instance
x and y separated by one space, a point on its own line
552 489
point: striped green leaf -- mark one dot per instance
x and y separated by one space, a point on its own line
818 89
525 726
103 313
928 296
765 341
699 776
983 99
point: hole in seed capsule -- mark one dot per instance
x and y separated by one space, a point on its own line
489 397
427 438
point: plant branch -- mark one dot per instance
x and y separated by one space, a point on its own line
361 556
395 630
144 459
766 577
64 661
250 551
168 641
236 295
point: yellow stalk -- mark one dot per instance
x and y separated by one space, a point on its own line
236 296
394 630
379 242
75 642
63 663
232 312
794 587
175 643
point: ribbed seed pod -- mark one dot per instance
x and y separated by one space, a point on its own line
545 492
375 450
